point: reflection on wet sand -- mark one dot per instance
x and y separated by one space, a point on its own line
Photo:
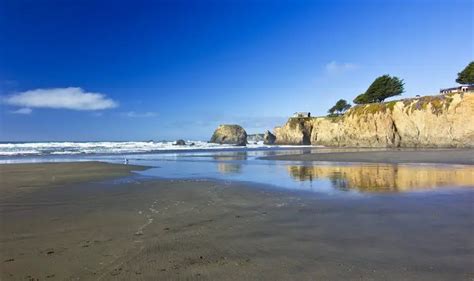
229 168
386 177
230 157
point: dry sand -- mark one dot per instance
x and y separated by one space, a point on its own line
204 230
446 156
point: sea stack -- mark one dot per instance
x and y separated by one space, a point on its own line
230 134
269 138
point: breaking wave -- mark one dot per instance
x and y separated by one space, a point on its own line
72 148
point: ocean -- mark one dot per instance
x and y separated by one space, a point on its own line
202 160
116 147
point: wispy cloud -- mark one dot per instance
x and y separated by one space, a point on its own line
261 123
133 114
335 67
61 98
24 110
249 123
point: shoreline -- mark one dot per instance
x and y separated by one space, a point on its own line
416 156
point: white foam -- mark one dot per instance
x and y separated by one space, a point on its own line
73 148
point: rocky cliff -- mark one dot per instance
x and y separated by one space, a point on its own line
431 121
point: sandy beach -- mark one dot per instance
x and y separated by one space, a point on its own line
207 230
17 179
437 156
236 140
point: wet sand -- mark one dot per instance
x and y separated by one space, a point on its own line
205 230
441 156
16 179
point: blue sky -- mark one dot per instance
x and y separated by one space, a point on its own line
140 70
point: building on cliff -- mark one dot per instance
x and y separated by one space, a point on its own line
460 89
302 115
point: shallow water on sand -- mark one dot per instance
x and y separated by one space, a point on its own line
321 177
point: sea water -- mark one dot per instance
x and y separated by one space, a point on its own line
243 164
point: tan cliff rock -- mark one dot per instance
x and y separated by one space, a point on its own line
431 121
295 131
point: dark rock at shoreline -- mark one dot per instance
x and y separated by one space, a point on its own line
269 138
180 142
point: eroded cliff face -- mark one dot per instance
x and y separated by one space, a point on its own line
431 121
295 131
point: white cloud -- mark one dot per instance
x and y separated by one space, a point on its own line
335 67
133 114
24 110
61 98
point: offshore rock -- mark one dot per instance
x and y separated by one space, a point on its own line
269 138
230 134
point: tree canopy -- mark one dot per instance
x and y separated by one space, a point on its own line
467 75
361 99
383 87
339 108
